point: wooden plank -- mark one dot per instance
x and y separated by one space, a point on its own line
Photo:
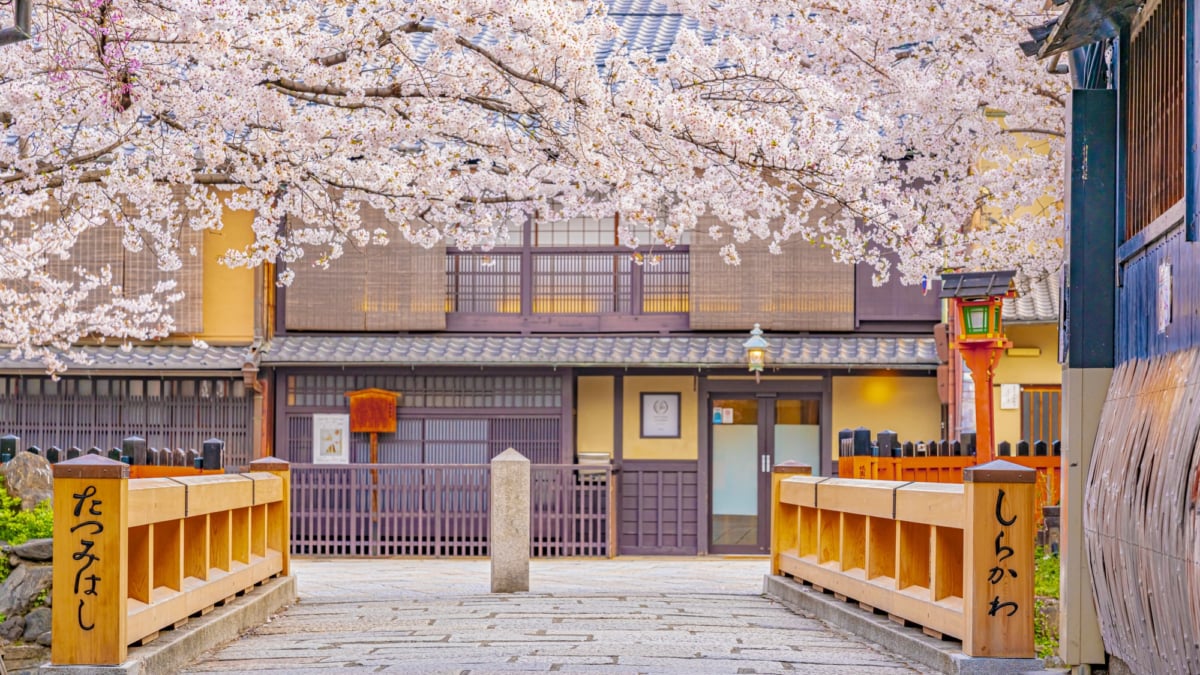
150 471
196 547
881 548
141 547
153 500
222 584
268 487
800 490
939 504
213 494
946 617
240 534
167 568
913 556
863 497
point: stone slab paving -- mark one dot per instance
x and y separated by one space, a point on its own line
629 615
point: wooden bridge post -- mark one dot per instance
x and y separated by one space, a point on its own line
91 551
998 565
784 517
279 515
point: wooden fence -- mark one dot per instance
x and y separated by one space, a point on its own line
144 461
441 510
133 557
949 469
956 559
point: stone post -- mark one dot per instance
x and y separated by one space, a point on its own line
91 570
998 564
508 535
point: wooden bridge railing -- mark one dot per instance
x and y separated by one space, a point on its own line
949 469
956 559
132 557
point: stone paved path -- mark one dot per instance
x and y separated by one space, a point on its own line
630 615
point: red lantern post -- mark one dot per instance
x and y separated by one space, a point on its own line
977 300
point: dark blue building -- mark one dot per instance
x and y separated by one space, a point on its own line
1132 317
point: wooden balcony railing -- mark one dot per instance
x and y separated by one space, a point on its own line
609 289
956 559
133 557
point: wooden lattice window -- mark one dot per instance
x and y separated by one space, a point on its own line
1155 133
801 289
1041 414
395 287
136 273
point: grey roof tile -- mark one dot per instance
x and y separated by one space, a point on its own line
144 357
665 351
1037 300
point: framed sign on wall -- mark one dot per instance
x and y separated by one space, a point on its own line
331 439
660 415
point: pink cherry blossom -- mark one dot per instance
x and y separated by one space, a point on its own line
911 136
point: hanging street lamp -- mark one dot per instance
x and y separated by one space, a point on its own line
756 352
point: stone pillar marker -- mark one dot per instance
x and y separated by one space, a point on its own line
508 535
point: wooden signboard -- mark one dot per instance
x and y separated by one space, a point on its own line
373 411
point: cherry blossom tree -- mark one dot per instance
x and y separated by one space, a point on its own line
912 132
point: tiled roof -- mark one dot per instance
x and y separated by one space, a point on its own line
146 357
1037 301
976 284
663 351
646 26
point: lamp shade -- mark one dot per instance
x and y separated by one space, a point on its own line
975 320
756 349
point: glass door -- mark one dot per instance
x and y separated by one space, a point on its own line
796 432
749 436
736 469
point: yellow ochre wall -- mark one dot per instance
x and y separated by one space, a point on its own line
684 447
907 405
594 414
1043 369
228 293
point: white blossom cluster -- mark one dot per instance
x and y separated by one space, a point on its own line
917 131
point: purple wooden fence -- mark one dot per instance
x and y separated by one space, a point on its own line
569 511
440 510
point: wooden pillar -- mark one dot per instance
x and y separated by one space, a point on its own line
998 566
279 514
784 518
91 550
982 362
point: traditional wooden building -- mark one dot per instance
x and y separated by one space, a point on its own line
572 349
171 392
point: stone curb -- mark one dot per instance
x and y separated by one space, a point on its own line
174 650
909 643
